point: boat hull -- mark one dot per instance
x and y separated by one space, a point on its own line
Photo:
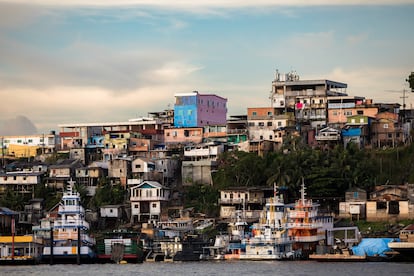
68 254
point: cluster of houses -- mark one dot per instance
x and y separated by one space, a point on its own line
152 156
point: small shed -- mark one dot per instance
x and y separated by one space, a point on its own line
111 211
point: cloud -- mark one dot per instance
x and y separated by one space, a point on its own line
373 82
210 3
61 105
20 125
90 64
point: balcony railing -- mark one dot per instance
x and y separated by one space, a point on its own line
241 200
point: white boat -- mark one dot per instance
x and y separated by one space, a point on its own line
70 239
270 239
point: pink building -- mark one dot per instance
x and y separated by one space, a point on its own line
197 110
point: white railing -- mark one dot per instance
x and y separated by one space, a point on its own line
263 240
73 236
308 238
304 225
302 214
71 209
71 223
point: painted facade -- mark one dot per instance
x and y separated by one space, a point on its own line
183 135
307 98
248 200
148 201
23 182
386 131
27 145
266 123
342 107
197 110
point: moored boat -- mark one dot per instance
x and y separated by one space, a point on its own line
270 238
403 249
307 227
66 236
120 245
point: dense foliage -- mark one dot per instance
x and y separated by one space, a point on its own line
326 173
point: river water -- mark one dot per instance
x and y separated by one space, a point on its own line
235 268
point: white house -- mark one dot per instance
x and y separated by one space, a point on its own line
23 182
148 201
111 211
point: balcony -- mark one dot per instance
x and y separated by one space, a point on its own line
241 201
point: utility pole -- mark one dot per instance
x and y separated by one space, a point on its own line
403 97
2 154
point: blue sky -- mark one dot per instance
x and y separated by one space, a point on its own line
96 61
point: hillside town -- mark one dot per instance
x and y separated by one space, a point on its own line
152 159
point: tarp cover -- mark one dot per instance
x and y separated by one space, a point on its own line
372 247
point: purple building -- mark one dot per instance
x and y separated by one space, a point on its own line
197 110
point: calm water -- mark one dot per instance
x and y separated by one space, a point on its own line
218 268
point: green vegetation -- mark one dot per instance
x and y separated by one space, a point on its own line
203 198
107 194
326 173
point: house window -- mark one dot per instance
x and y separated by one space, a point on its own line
355 194
254 113
261 124
335 113
270 137
381 205
321 101
154 205
111 211
251 124
394 208
279 124
261 137
136 206
137 166
360 112
269 113
385 126
269 124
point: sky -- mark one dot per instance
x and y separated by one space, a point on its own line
86 61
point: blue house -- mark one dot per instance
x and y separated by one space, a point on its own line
357 130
